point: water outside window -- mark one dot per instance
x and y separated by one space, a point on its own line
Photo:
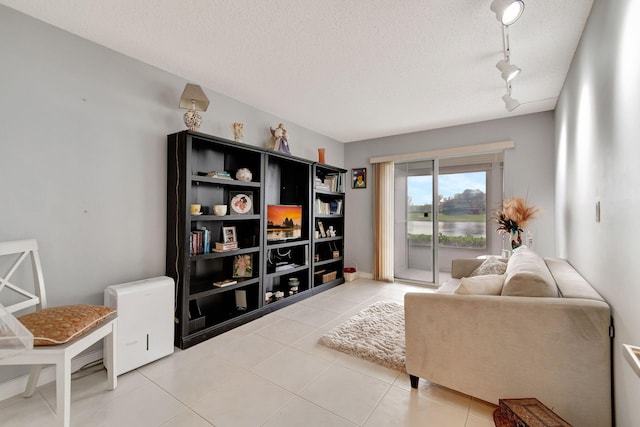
462 210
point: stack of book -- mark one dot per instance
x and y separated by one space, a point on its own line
219 174
321 185
225 246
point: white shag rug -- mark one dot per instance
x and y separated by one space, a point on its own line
375 334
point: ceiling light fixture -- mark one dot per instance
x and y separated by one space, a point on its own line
509 103
507 11
509 71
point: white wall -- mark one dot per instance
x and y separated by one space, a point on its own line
598 149
528 172
83 155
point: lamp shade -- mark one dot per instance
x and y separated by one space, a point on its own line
194 98
509 71
507 11
509 103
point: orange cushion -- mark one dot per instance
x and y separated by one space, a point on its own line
58 325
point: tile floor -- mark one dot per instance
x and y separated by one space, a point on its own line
270 372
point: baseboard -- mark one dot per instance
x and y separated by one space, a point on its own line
17 385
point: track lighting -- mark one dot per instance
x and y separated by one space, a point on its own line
507 11
509 103
509 71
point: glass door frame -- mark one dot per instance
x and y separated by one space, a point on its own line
434 202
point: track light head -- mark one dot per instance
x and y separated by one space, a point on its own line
509 103
507 11
509 71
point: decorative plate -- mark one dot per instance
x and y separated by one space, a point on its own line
241 203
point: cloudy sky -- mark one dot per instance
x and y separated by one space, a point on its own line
448 185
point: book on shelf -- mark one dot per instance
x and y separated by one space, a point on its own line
333 181
199 241
334 207
225 246
224 283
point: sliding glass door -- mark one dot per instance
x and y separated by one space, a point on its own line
442 212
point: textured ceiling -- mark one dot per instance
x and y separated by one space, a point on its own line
350 70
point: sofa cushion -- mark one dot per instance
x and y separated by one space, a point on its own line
488 284
570 283
491 265
527 275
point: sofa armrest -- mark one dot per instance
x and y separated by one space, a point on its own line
554 349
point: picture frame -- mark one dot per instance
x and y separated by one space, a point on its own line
242 266
229 234
321 229
359 178
241 202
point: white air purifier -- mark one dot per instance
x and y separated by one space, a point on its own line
145 321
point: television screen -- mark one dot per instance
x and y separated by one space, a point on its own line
284 222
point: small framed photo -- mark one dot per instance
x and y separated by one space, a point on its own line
359 178
229 234
241 202
242 266
321 229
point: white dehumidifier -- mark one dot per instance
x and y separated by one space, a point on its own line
145 321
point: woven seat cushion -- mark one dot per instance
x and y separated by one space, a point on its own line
58 325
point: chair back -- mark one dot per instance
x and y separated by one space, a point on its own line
15 252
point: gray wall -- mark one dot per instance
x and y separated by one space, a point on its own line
83 155
528 172
598 147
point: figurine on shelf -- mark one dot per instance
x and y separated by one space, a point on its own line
331 232
238 131
279 140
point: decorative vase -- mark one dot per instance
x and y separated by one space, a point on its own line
321 155
244 174
192 119
516 239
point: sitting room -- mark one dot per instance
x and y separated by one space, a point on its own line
160 140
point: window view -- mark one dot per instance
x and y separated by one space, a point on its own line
462 209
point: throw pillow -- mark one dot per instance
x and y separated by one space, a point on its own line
488 284
58 325
491 265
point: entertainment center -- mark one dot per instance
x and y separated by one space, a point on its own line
232 268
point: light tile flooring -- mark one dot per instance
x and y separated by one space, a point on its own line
270 372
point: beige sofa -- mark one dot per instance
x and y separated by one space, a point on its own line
553 348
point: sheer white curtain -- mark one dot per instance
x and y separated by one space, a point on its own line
383 221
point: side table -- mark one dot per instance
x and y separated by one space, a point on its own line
526 413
